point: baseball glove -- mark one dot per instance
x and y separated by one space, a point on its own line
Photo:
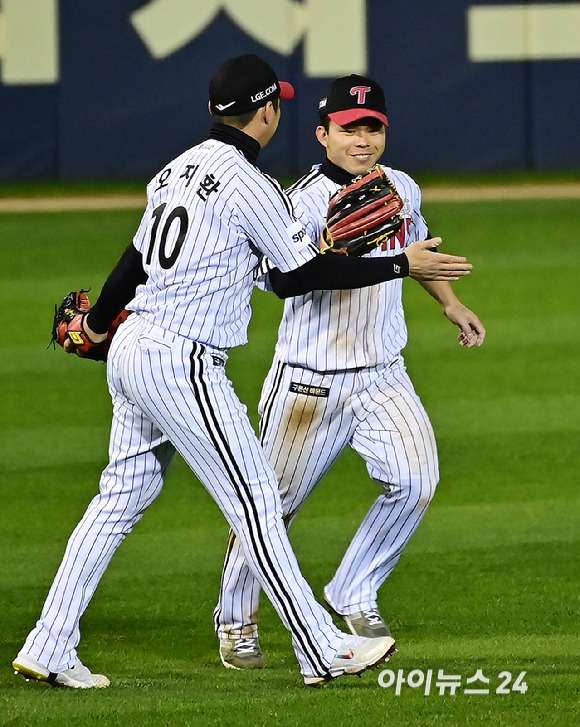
362 214
68 324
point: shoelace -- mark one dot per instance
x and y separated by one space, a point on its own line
373 617
245 646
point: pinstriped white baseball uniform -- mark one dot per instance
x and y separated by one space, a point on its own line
211 215
338 378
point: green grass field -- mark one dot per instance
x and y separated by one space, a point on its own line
490 582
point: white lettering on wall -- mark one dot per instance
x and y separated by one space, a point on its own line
334 31
29 42
538 31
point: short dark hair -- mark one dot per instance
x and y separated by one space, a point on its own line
243 119
238 121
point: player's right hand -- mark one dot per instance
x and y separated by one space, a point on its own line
424 264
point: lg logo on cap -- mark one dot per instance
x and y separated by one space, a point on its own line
360 92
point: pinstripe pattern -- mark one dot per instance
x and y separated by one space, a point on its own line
167 379
289 604
337 330
206 295
346 346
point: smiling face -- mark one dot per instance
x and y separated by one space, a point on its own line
356 147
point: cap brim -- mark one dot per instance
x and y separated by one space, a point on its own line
286 90
342 118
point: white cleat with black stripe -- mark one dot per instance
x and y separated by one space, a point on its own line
77 677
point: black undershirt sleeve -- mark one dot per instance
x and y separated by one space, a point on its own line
338 272
429 236
118 290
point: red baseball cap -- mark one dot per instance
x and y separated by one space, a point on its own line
351 98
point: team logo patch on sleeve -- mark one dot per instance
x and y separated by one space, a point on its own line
307 390
299 236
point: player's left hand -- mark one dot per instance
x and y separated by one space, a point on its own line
471 329
362 215
71 331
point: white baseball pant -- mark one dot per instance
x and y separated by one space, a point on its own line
169 394
308 418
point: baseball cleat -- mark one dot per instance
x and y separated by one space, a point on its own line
77 677
241 653
356 655
367 623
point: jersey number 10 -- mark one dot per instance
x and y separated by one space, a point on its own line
167 258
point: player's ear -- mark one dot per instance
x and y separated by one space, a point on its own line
269 112
322 135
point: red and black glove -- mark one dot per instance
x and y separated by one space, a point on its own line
68 325
363 214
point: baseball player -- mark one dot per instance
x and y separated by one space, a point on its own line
338 379
188 278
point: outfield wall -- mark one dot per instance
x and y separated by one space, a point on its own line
112 89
